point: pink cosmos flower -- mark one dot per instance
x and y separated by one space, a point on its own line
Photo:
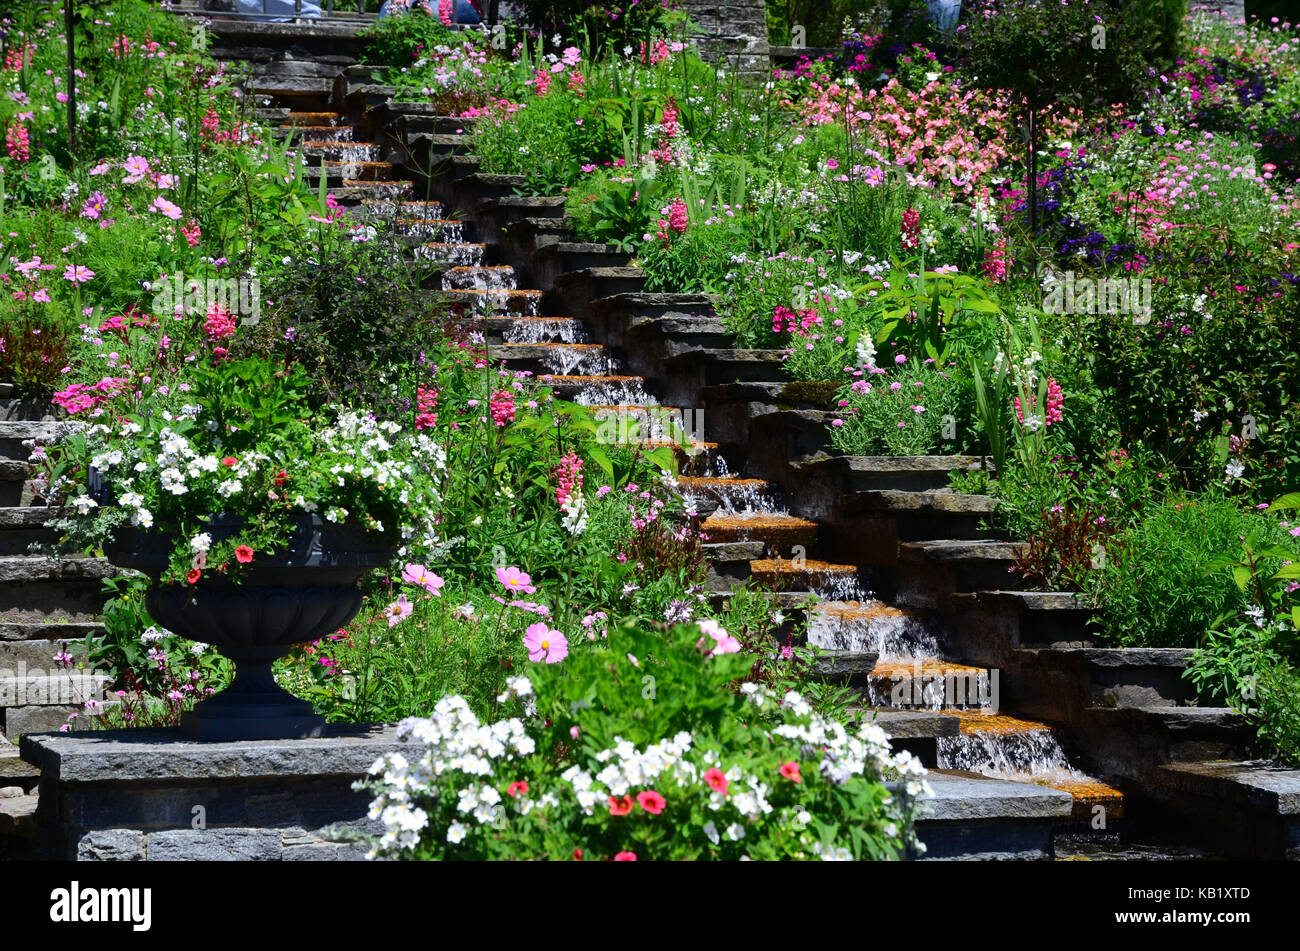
164 207
136 167
516 580
545 644
398 611
418 574
77 274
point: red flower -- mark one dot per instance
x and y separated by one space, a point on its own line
577 855
515 789
620 807
280 477
193 576
229 461
625 857
790 771
243 554
717 782
651 802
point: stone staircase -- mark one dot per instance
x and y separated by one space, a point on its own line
902 586
47 603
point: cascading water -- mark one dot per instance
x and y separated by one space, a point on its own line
545 331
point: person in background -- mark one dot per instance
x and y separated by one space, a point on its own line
276 11
448 11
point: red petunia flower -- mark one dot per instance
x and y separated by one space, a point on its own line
651 801
518 788
790 771
243 554
716 780
280 477
620 807
229 461
193 576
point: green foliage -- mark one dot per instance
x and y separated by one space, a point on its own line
1251 657
717 780
910 411
1167 585
399 40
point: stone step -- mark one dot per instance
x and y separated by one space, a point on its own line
1248 809
705 495
916 731
843 667
869 625
724 366
560 329
1040 618
455 254
44 688
17 822
42 589
413 232
803 575
494 302
929 684
346 174
13 433
598 391
900 473
480 277
566 362
914 516
780 533
404 207
24 526
316 151
352 192
51 631
315 134
955 565
973 817
729 563
34 654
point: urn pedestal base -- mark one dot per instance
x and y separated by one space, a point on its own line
253 707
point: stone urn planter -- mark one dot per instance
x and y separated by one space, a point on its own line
307 591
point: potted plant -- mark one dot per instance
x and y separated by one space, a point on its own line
255 516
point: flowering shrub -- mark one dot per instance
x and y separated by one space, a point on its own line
644 750
910 411
248 447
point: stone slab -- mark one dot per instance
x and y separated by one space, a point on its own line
1254 784
164 754
961 796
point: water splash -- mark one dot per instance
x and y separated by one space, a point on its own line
500 278
457 255
873 626
577 360
1021 756
545 331
614 393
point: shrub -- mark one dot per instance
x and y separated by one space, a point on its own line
399 40
1166 586
641 750
912 411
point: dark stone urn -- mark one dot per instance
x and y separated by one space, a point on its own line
306 591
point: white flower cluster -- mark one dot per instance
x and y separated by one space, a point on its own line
454 741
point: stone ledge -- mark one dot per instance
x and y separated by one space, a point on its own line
163 754
961 796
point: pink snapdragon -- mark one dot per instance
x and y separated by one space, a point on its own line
568 475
